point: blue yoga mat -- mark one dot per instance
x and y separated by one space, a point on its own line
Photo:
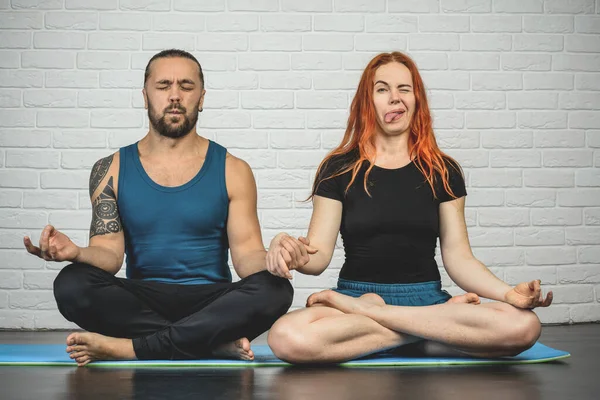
55 355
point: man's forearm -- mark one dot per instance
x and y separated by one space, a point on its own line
100 257
251 263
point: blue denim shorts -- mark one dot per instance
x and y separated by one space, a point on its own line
411 294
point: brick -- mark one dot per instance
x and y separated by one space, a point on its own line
339 23
592 216
10 98
58 40
497 81
284 219
13 218
589 255
243 139
285 80
36 300
379 42
569 294
549 178
579 198
285 23
277 179
466 6
332 138
22 79
15 40
263 62
495 23
539 237
48 199
47 59
385 23
50 98
519 6
327 42
495 179
18 179
542 119
232 81
587 177
218 62
587 82
267 100
21 20
582 235
364 6
515 158
17 118
559 139
579 274
542 43
584 101
71 219
9 280
441 80
530 198
526 62
16 319
10 198
79 139
160 41
448 120
433 41
585 313
9 59
569 7
114 41
357 61
44 159
65 180
81 159
293 140
414 6
480 101
490 237
37 4
38 280
327 119
199 5
62 119
582 43
300 159
567 158
503 217
532 100
474 61
91 4
125 21
321 99
492 257
485 119
221 100
593 138
257 159
121 138
232 23
443 23
584 120
586 24
438 100
121 79
145 5
576 62
430 61
225 119
485 42
104 99
457 139
556 217
485 198
550 256
514 276
71 20
178 23
316 61
221 42
307 5
548 81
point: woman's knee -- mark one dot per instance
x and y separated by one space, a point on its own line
289 344
524 329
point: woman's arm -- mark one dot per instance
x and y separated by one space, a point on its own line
460 263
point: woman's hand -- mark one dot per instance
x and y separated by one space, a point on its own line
287 253
528 295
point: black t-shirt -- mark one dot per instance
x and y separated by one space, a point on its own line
391 236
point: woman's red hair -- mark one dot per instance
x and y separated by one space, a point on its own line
362 127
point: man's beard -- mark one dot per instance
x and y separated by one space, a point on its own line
177 129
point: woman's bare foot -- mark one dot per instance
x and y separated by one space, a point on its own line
346 304
85 347
239 350
467 298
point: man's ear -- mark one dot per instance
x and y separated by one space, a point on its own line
201 103
145 95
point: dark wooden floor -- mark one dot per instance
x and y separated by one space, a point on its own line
577 377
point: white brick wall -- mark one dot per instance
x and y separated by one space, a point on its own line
514 88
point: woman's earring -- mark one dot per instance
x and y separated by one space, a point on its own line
201 109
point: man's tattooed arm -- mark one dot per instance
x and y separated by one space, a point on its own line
105 214
99 171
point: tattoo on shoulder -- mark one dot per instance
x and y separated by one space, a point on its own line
105 215
99 171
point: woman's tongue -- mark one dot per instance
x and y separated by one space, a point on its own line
392 116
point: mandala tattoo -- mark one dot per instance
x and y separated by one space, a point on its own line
99 172
105 215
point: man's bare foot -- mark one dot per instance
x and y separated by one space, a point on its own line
85 347
346 304
239 350
467 298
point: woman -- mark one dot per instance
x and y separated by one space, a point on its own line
391 192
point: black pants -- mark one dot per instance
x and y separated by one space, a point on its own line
170 321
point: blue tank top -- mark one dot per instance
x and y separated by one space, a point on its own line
175 234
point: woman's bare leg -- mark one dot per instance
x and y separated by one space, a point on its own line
323 334
487 330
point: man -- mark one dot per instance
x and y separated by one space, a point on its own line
174 202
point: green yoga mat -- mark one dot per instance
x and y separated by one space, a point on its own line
55 355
